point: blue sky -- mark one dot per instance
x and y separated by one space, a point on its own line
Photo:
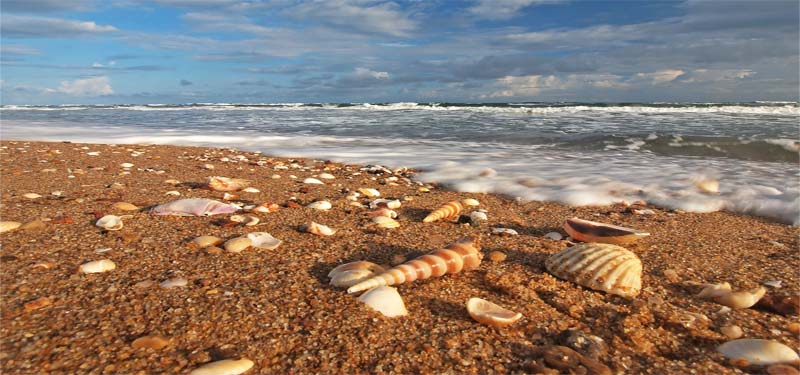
191 51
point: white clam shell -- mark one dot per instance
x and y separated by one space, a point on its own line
264 240
386 300
97 266
313 181
111 222
758 352
320 205
224 367
504 231
609 268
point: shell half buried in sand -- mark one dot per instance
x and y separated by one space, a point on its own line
264 240
318 229
224 367
491 314
759 352
592 231
386 300
218 183
608 268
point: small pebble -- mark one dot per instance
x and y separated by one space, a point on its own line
671 275
150 342
733 332
174 282
38 303
794 328
497 256
554 236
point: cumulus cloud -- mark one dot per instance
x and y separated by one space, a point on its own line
501 9
661 76
46 27
94 86
366 17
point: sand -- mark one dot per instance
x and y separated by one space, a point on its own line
276 308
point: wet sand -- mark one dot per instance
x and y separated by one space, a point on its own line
276 308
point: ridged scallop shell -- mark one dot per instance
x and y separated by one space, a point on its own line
462 255
318 229
218 183
448 210
224 367
592 231
349 274
385 222
386 300
609 268
97 266
320 205
7 226
758 352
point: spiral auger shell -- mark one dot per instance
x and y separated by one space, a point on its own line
448 210
462 255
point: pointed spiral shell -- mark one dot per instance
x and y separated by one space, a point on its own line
462 255
609 268
448 210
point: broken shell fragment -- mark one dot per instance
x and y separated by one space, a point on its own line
313 181
320 205
714 290
592 231
462 255
37 303
369 192
386 300
555 236
385 222
490 314
224 367
504 232
229 197
124 206
194 207
383 212
251 190
447 211
7 226
247 220
111 222
238 244
318 229
31 195
608 268
741 299
204 241
218 183
326 176
97 266
385 203
264 240
758 352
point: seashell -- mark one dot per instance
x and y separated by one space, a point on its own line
174 193
208 166
504 232
238 244
758 352
386 300
31 195
385 222
229 197
318 229
732 331
592 231
349 274
708 186
251 190
462 255
383 212
478 216
111 222
490 314
447 211
266 207
218 183
97 266
313 181
150 342
7 226
204 241
741 299
773 283
37 303
609 268
194 207
126 165
554 236
264 240
224 367
245 219
369 192
353 197
714 290
124 206
174 282
172 182
469 202
385 203
326 176
320 205
57 193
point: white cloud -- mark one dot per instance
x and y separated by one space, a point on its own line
501 9
661 76
716 75
94 86
45 27
366 73
371 18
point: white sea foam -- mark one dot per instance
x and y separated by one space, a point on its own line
522 171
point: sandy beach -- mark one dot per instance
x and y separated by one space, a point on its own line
276 307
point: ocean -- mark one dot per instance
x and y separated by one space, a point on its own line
666 154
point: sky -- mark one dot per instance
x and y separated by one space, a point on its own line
278 51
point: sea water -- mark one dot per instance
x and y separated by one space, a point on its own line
575 153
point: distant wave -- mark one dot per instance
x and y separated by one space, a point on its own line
761 108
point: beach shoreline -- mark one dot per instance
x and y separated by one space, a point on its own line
276 308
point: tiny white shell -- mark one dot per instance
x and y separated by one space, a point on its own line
386 203
174 282
504 231
173 192
31 195
313 181
264 240
326 176
111 222
251 190
774 284
126 165
224 367
478 216
758 352
319 229
554 236
320 205
385 300
97 266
